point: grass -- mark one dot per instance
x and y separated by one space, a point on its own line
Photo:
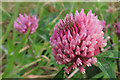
29 56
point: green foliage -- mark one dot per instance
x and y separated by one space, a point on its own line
110 54
14 56
11 22
30 55
60 75
106 68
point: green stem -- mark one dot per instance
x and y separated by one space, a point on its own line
30 44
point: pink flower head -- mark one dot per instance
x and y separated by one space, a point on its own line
23 22
117 29
76 39
110 9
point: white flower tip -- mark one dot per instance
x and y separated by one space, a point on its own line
83 72
88 64
80 63
108 37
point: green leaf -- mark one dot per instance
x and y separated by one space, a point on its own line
60 75
106 68
110 54
98 75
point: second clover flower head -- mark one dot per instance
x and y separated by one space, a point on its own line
23 22
76 39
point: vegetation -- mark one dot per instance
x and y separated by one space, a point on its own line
29 56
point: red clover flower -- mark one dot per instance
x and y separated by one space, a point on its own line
76 39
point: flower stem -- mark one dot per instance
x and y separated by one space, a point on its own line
73 73
29 43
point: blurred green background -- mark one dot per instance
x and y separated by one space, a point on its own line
32 58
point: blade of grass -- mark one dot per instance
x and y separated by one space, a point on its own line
27 65
2 9
0 76
16 9
37 67
17 69
14 56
